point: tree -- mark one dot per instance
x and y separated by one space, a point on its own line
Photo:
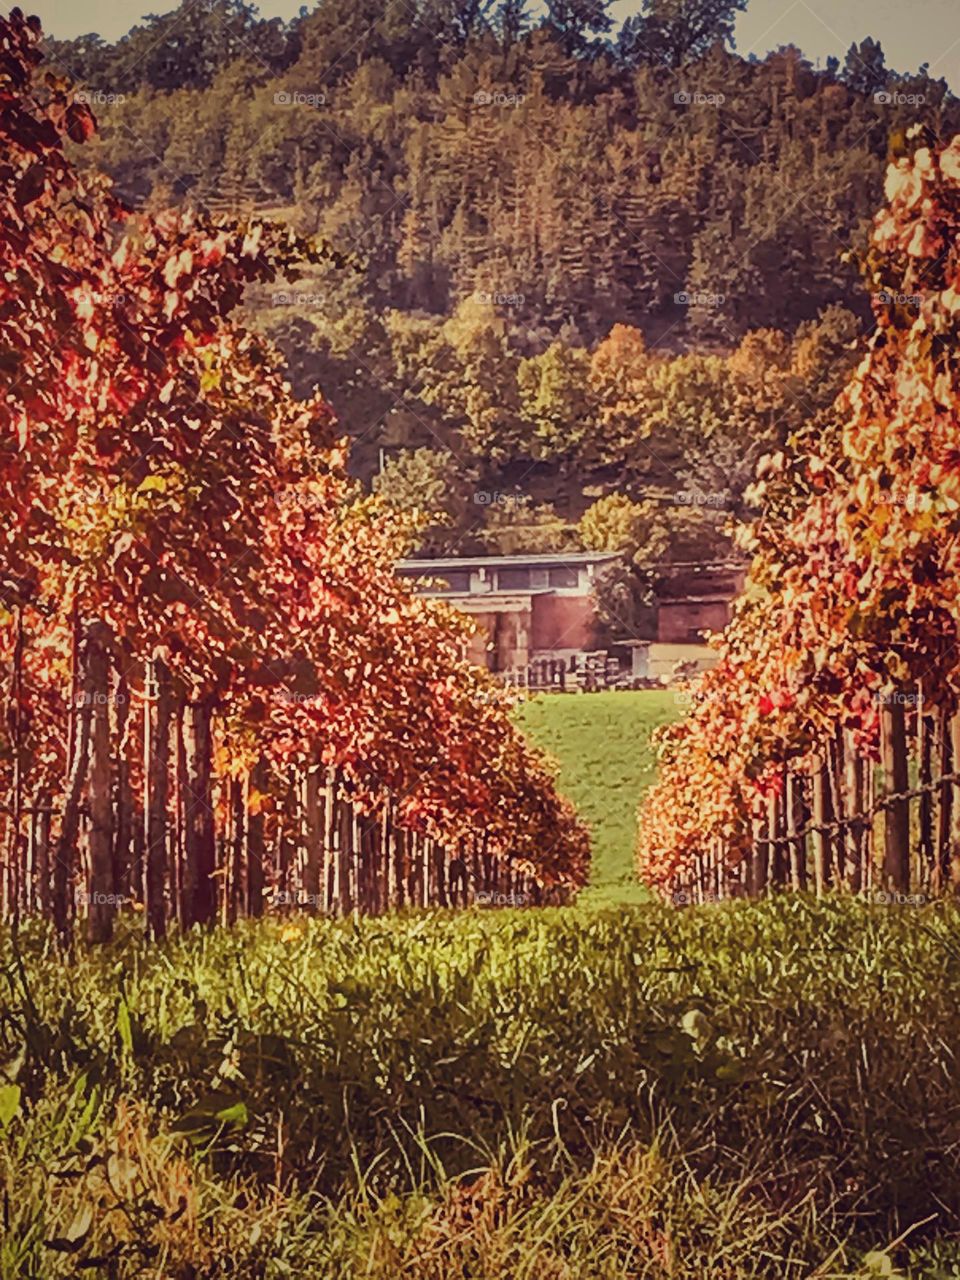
620 381
650 535
575 21
430 485
185 48
459 20
340 35
511 21
675 32
516 526
555 400
864 68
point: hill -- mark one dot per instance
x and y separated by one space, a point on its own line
577 262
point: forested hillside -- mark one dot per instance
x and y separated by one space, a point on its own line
588 263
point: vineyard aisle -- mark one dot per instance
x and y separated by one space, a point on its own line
602 742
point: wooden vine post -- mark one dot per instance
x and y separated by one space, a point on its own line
853 832
896 852
101 900
66 853
313 837
822 816
953 875
254 788
157 720
795 821
200 837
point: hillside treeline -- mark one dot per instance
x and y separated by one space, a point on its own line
519 192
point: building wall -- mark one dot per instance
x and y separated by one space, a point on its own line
562 622
478 648
502 640
663 660
678 620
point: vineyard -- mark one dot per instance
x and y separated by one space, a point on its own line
823 750
217 693
255 1020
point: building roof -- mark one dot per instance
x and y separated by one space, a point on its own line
505 562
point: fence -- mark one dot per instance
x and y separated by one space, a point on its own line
555 675
321 854
840 820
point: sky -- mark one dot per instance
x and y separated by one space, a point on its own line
911 32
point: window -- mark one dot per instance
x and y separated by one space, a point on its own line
514 580
530 578
454 580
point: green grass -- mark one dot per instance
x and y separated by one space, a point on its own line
739 1092
746 1091
602 743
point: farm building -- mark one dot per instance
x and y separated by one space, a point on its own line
528 607
535 608
693 598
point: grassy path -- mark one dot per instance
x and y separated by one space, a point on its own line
602 742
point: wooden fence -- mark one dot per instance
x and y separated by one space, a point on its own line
143 821
889 828
554 675
320 855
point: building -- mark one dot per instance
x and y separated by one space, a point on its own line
527 607
695 597
540 608
692 600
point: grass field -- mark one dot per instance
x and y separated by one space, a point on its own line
602 742
751 1091
746 1091
741 1092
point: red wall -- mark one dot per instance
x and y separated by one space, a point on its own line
562 622
677 620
